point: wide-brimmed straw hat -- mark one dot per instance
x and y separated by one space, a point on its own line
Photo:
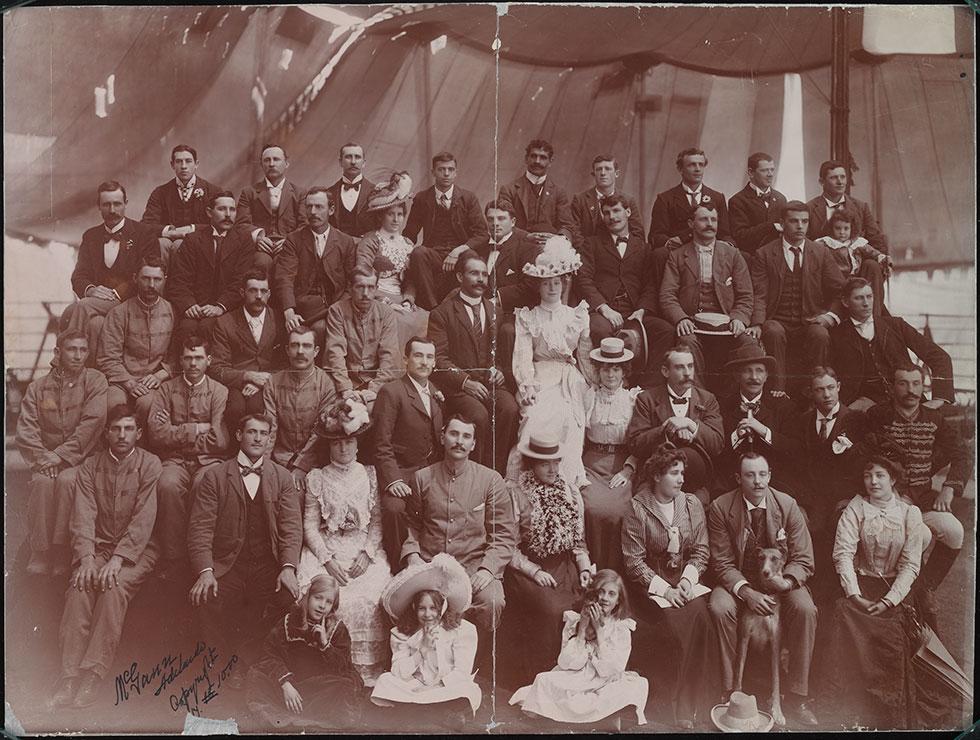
611 350
395 191
748 354
741 714
345 419
557 258
443 574
541 447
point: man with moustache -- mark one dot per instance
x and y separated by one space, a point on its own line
407 420
58 427
587 205
362 340
450 222
315 266
506 253
755 418
112 519
755 209
680 413
462 507
135 347
294 399
206 277
866 350
926 444
833 182
179 207
542 207
108 257
247 348
350 194
707 275
463 328
244 541
619 280
740 523
669 219
272 207
188 432
796 286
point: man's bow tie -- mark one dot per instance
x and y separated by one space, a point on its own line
624 242
748 406
114 237
351 185
247 470
837 205
677 400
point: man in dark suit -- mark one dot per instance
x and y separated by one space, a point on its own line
707 275
247 348
272 207
833 181
586 206
866 349
740 522
350 194
179 207
678 412
315 266
619 281
797 288
671 211
506 253
206 278
755 209
407 420
244 538
109 256
464 327
450 222
542 207
755 418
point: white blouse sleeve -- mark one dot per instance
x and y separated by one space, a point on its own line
373 542
845 547
584 344
523 364
614 645
463 653
312 518
405 654
909 559
574 649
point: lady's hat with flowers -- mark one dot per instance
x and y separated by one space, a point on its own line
557 258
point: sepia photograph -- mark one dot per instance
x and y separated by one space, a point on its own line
489 368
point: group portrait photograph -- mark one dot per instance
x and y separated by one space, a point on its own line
489 368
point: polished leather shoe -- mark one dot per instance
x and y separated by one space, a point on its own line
802 714
88 691
65 693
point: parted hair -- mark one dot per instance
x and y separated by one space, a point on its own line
793 206
220 194
692 151
121 411
183 148
616 199
893 467
604 576
152 260
852 284
110 186
500 205
464 258
830 164
540 144
758 157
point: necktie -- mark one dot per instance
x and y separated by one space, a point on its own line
185 193
320 244
247 470
475 315
836 206
444 201
750 407
673 540
217 242
677 400
694 198
274 194
758 517
351 186
797 258
825 426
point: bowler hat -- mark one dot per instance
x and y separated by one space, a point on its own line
748 354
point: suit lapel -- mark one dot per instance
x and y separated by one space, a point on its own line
738 517
692 262
235 479
265 491
414 398
244 330
263 196
362 195
774 518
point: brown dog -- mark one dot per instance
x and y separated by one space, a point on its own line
761 632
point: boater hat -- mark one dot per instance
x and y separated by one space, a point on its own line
749 354
541 447
443 574
707 322
388 194
611 350
741 714
556 258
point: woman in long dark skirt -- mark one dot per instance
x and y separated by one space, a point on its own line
665 552
551 567
875 681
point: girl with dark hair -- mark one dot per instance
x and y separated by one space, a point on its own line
665 553
590 681
305 678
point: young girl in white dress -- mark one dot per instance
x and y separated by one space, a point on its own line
590 681
432 648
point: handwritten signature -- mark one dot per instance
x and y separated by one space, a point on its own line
205 685
165 672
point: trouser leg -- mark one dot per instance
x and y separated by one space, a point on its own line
49 507
76 626
774 341
724 618
172 498
798 628
599 328
506 419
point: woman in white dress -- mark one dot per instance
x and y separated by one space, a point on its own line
551 361
590 681
342 537
432 647
387 252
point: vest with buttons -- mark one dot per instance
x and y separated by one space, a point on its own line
257 547
707 298
346 220
442 227
535 219
789 309
873 356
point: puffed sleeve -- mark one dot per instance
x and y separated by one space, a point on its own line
405 654
584 344
846 545
312 516
574 649
614 643
909 559
523 350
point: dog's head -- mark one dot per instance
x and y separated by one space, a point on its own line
771 561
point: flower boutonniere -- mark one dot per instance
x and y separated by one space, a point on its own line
705 198
128 245
781 535
198 192
841 444
439 396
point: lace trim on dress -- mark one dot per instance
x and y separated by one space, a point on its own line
559 329
345 497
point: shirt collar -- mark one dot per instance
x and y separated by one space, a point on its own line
193 385
448 193
906 417
146 305
617 239
218 234
692 192
260 318
685 394
833 412
749 506
757 399
787 246
599 196
759 191
243 460
831 203
869 320
474 302
702 248
120 459
505 238
534 179
275 187
117 228
354 181
426 390
190 183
